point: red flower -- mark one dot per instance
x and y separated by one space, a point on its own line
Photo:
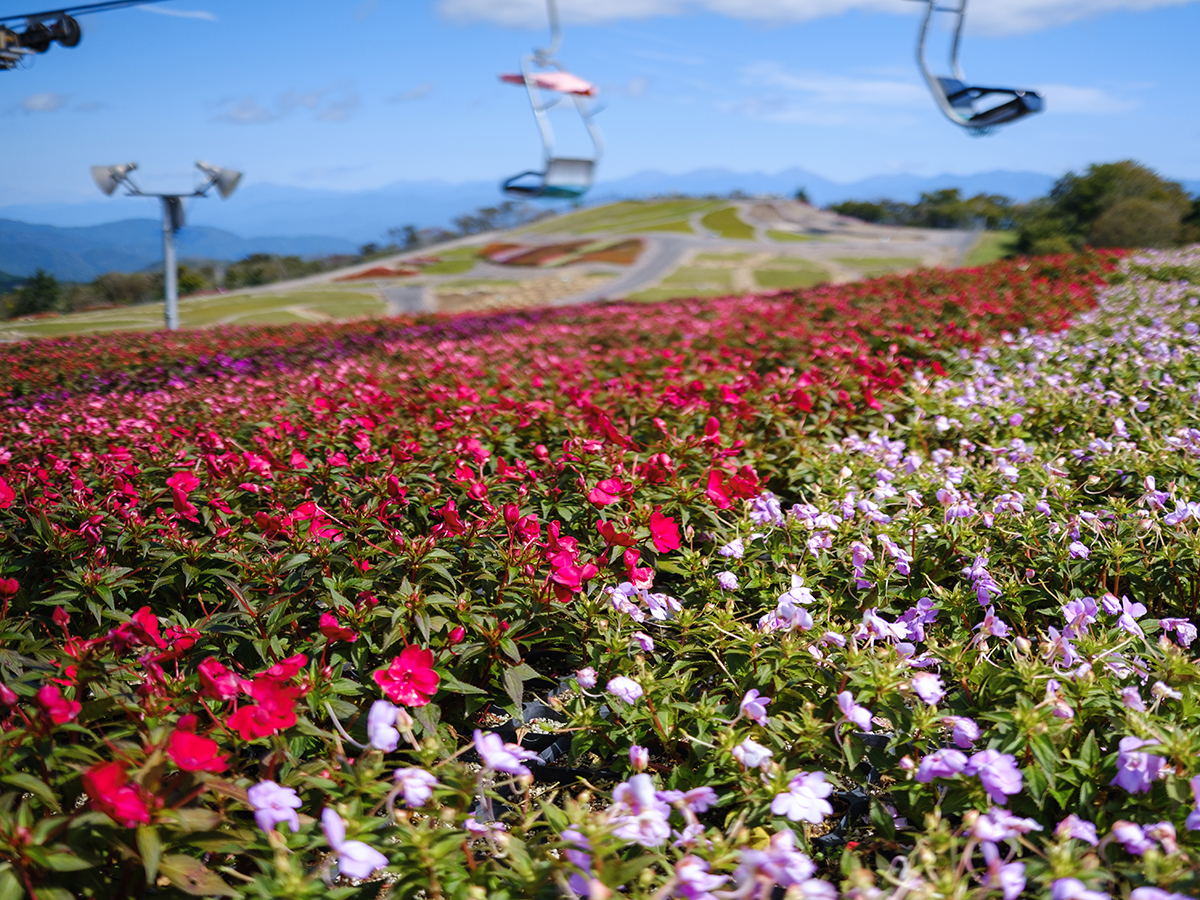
715 489
218 682
451 523
274 712
58 708
107 784
7 495
193 753
410 678
185 482
664 532
334 631
8 588
613 537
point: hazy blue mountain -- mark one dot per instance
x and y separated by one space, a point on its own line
82 253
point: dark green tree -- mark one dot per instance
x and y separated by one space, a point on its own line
40 293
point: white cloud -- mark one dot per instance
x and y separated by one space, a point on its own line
821 98
180 13
421 90
335 103
247 112
1066 98
996 17
43 103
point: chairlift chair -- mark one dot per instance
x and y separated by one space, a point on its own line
959 100
561 177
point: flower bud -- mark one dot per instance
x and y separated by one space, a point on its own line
1023 644
457 635
7 696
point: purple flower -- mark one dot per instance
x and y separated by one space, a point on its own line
625 689
941 764
1078 550
765 510
644 641
859 715
752 754
1074 889
501 757
639 815
1009 878
1136 772
1133 836
727 580
805 799
1193 819
965 733
274 804
1130 613
1153 893
586 678
929 688
1185 631
417 786
1132 699
1079 614
997 825
639 758
1079 829
998 772
697 800
692 880
579 856
355 859
991 626
735 549
754 707
380 731
1164 833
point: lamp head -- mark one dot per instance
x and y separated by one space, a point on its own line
226 180
108 178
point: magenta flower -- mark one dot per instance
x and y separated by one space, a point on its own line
998 772
754 707
929 688
625 689
805 799
274 805
417 786
851 711
1136 772
501 757
355 859
941 764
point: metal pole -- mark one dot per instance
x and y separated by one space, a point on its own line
170 270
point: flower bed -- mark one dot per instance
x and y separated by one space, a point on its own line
834 592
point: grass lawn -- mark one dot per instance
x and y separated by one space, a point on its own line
787 272
690 281
873 267
725 222
775 235
991 246
260 309
628 216
721 257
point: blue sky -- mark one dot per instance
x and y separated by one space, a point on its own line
353 94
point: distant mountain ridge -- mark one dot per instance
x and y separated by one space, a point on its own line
82 253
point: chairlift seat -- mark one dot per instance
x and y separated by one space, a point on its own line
962 98
562 82
564 178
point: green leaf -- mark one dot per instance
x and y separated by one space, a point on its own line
10 886
65 862
882 820
192 877
35 786
1046 756
150 847
514 686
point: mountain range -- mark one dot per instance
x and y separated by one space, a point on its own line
78 240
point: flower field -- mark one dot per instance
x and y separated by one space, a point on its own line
878 590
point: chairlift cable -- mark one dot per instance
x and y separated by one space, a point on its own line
76 10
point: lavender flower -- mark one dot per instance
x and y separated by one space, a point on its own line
805 799
727 581
639 815
355 859
941 764
1136 772
1079 829
851 711
1078 550
644 641
752 754
754 707
965 732
735 549
692 880
639 758
1193 819
1133 837
1009 878
586 678
1074 889
501 757
380 731
929 688
765 510
273 805
625 689
1185 631
998 772
1130 613
417 786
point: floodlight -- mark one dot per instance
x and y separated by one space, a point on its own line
66 31
36 37
108 178
226 180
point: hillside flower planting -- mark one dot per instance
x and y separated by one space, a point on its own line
883 590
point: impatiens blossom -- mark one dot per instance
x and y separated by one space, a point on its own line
692 880
58 709
1079 829
804 800
639 758
1132 836
273 805
625 689
929 688
664 532
754 707
1193 819
409 679
334 630
644 641
586 678
501 757
381 731
727 581
998 772
109 788
752 754
416 785
354 858
1074 889
1136 771
852 712
1008 878
941 764
193 753
782 865
965 732
735 549
638 814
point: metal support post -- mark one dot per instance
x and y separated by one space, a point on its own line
170 270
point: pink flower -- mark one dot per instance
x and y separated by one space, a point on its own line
107 784
334 631
664 532
928 687
194 753
409 678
